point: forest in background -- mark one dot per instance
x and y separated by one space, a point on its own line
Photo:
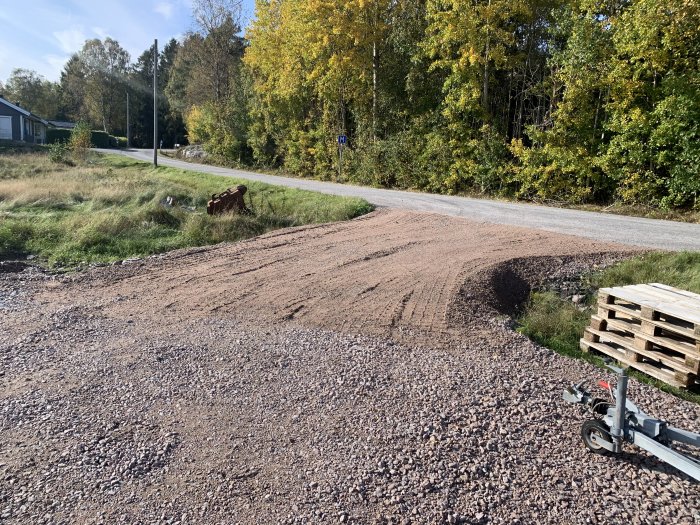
576 101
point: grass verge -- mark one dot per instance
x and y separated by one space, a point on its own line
111 208
558 324
615 208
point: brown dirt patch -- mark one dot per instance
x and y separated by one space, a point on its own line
388 273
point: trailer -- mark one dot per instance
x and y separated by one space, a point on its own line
620 421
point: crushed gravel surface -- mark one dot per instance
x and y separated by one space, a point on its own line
115 409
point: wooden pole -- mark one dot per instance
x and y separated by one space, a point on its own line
128 127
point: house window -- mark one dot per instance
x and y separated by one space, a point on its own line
6 128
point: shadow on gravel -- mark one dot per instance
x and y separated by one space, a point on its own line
639 460
13 266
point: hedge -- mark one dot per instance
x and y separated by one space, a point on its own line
57 135
99 139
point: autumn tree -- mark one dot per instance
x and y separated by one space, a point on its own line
33 92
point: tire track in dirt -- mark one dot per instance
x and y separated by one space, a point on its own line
385 272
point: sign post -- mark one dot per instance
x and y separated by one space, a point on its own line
342 141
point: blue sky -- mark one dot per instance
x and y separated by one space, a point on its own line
42 34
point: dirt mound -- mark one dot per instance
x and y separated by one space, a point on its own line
502 289
387 273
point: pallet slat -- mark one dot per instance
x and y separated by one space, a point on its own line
686 293
673 362
604 311
650 327
686 309
637 330
619 355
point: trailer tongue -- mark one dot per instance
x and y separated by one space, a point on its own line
622 421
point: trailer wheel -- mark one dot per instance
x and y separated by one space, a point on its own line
600 406
594 427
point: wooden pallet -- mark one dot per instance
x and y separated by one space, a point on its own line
650 327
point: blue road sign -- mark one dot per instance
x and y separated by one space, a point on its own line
342 140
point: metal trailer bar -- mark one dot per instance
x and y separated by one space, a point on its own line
668 455
683 436
617 430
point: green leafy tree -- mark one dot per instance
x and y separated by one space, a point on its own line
562 159
105 65
33 92
73 84
654 152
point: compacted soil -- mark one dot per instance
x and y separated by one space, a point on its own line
359 372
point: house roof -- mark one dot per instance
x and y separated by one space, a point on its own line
23 111
62 124
16 108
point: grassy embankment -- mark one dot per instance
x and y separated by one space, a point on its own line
690 215
558 324
110 208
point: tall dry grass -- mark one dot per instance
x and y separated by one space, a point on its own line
110 208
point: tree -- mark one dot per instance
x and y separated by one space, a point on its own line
105 65
562 160
206 63
317 70
33 92
654 107
478 45
170 123
206 85
73 106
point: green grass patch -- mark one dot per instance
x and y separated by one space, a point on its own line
558 324
110 208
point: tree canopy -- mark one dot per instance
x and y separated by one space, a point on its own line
548 100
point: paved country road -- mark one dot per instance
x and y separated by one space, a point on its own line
651 233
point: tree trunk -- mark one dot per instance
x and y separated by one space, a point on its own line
485 100
375 66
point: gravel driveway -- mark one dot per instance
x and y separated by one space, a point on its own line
117 408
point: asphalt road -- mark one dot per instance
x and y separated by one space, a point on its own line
651 233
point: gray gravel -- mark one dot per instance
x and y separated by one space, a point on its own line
228 421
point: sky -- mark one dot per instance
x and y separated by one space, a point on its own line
42 34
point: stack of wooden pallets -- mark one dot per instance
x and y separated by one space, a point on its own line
650 327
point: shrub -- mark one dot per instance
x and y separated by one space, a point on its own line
80 140
57 135
101 139
120 142
58 152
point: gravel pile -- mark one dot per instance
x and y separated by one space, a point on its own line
106 420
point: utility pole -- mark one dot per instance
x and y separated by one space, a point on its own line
128 127
155 103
